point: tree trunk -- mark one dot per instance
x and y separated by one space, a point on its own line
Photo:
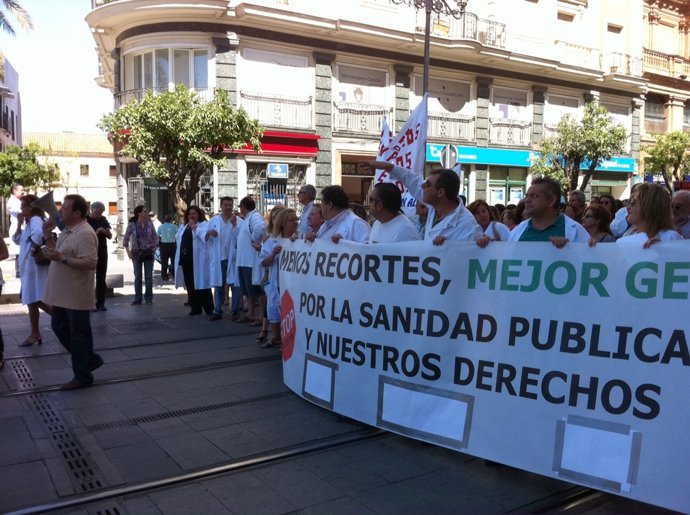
587 176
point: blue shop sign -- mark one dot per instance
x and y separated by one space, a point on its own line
517 158
277 171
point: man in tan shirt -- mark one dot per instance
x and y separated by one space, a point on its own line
70 288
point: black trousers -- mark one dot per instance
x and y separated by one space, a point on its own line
101 271
198 299
168 251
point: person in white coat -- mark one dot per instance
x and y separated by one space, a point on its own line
192 258
249 237
219 235
544 221
306 196
33 277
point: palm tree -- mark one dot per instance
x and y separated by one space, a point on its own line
22 17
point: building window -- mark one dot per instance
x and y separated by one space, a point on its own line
84 170
112 171
686 114
654 107
163 68
566 17
112 208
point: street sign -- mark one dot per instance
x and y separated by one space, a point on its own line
277 171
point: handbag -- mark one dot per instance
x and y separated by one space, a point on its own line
37 252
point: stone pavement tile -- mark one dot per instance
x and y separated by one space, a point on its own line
179 401
142 408
245 493
94 414
166 428
142 505
341 473
111 475
261 411
10 406
297 484
142 462
119 436
341 506
188 499
121 392
400 499
60 476
16 442
192 451
29 484
52 362
383 462
235 441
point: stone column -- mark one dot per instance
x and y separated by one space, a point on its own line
226 78
402 96
481 133
538 101
635 137
674 113
117 57
323 110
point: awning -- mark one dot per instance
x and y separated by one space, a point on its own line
286 144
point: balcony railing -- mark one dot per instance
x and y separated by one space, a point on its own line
124 97
665 64
486 32
451 126
360 118
577 54
615 62
510 132
550 130
278 111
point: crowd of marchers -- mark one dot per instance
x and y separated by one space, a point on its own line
233 258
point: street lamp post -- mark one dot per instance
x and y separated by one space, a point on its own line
439 7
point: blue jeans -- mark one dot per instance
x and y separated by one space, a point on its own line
73 329
236 294
148 276
218 297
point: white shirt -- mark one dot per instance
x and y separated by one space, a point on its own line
620 224
460 225
497 231
253 229
303 227
397 229
641 237
348 225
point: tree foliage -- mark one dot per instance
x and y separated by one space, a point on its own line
177 137
586 141
20 165
669 157
16 9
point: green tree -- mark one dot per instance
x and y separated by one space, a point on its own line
669 157
15 9
586 141
176 137
21 165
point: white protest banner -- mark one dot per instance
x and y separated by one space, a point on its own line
407 149
571 363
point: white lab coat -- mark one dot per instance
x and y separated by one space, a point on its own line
215 249
202 267
253 229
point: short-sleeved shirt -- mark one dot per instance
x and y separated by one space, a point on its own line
557 228
69 287
167 231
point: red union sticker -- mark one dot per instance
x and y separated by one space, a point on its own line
288 328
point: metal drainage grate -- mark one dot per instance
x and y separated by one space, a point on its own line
47 413
189 411
23 374
83 473
123 328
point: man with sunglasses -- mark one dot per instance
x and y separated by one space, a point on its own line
448 218
681 212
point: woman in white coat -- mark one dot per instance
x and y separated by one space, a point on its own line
193 258
33 277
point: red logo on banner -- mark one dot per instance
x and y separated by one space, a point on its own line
288 329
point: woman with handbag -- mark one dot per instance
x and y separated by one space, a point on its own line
33 271
140 242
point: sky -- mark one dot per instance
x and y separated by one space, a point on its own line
57 64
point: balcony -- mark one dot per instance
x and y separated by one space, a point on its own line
124 97
578 55
360 118
665 64
450 126
615 62
278 111
550 130
516 133
486 32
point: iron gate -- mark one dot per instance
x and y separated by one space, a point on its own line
268 192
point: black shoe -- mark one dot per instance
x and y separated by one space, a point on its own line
149 302
96 363
194 313
136 303
187 303
74 385
101 307
215 317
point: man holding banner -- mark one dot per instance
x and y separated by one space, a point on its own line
448 218
341 223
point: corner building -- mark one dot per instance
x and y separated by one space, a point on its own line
321 76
